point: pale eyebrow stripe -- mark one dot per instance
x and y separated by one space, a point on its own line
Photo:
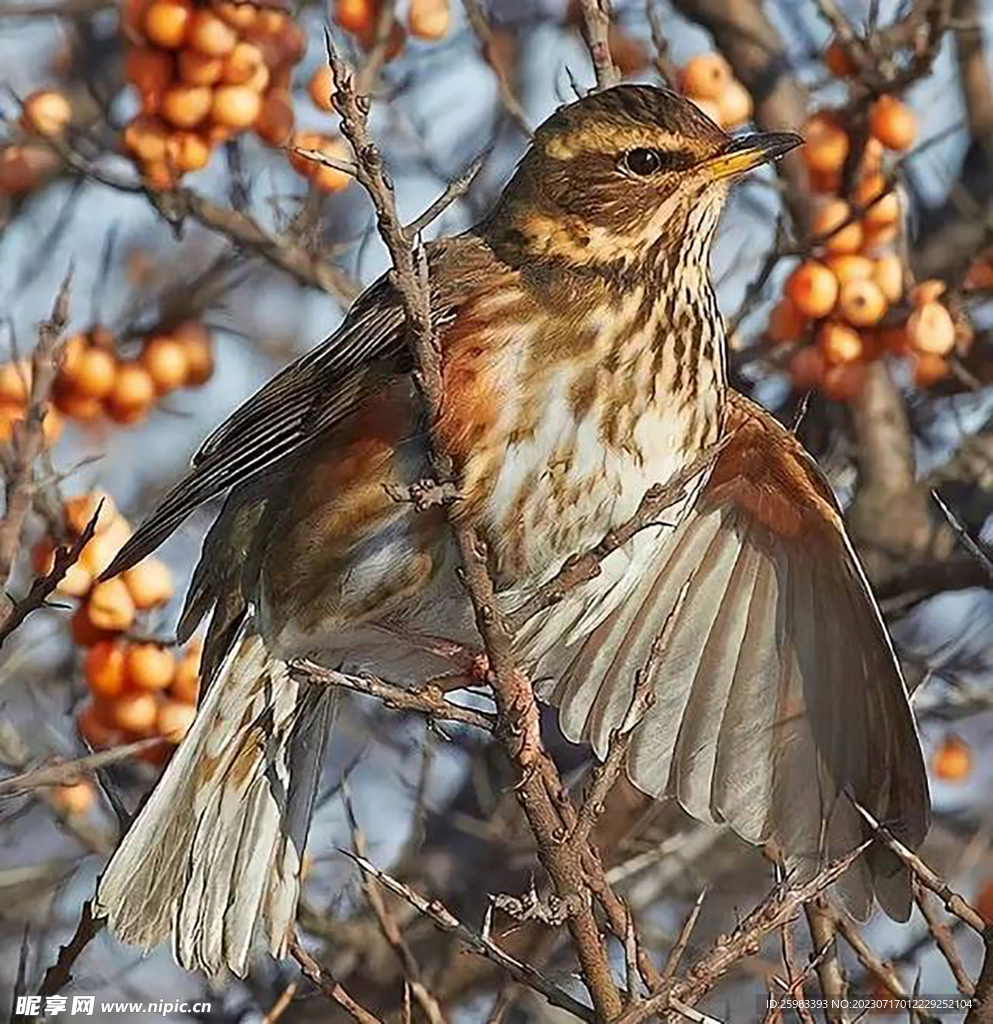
593 140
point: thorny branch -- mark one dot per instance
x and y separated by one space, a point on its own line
28 437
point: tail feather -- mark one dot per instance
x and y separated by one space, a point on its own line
215 854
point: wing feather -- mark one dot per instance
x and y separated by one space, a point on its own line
779 694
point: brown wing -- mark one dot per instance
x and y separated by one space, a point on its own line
284 416
779 689
307 399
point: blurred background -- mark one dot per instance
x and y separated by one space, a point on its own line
157 149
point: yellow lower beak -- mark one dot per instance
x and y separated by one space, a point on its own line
749 152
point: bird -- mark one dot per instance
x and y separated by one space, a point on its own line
583 361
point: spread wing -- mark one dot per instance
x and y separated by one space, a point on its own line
308 397
778 690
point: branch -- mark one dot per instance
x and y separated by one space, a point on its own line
62 770
777 910
28 440
175 204
505 89
425 700
952 901
478 942
332 988
596 32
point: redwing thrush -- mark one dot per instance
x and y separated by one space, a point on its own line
583 361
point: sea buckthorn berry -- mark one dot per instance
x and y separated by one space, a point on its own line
147 137
931 329
135 713
186 682
839 343
196 68
80 510
210 34
166 22
807 368
887 272
189 151
242 63
848 266
195 340
76 581
826 144
952 759
185 106
930 369
838 62
813 289
149 70
15 381
104 669
174 719
149 667
165 360
844 381
94 373
109 606
429 19
73 798
893 123
84 632
786 322
47 112
328 178
95 731
834 224
927 291
101 549
706 76
149 583
235 106
321 88
132 394
734 105
861 302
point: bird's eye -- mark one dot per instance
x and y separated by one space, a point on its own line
642 161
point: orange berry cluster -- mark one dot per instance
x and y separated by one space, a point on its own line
138 691
848 297
112 606
708 80
426 19
24 164
94 382
205 73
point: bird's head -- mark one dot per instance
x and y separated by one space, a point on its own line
623 172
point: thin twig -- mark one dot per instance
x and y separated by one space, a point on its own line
953 902
28 440
424 700
596 33
330 986
388 924
479 942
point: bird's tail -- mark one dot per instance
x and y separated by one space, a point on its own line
215 854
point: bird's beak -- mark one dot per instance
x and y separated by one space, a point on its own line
750 151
